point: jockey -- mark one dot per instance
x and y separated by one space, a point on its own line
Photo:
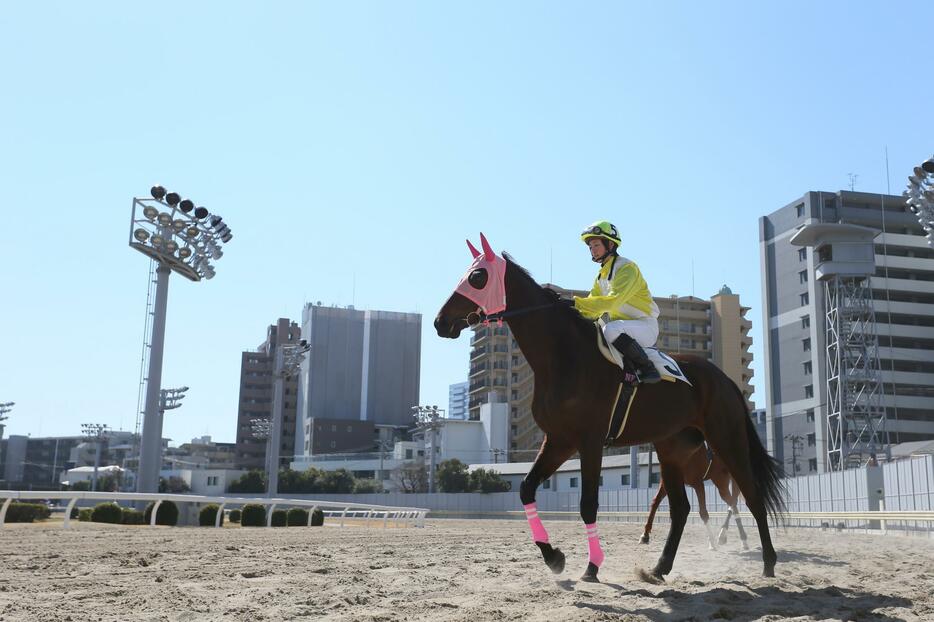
620 293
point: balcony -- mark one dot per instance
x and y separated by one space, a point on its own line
482 383
478 368
480 352
479 336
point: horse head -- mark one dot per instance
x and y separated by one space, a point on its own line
480 292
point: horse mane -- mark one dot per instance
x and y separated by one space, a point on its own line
570 313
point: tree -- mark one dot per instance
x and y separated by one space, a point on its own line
174 485
81 485
251 481
411 477
483 480
367 485
109 483
339 481
452 476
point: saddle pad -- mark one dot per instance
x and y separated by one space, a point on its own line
667 367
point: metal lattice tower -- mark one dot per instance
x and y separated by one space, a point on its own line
844 263
855 417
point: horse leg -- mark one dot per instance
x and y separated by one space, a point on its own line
659 497
721 537
679 507
722 482
705 516
591 463
739 528
549 458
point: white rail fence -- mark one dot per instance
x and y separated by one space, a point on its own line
341 510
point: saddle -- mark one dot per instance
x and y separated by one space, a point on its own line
667 367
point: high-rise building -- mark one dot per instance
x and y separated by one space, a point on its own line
458 400
363 366
716 329
795 321
256 395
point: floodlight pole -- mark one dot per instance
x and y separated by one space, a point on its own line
273 441
150 452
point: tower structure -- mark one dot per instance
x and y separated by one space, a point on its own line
844 264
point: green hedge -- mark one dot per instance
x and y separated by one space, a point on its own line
298 517
85 515
26 512
253 515
234 516
208 515
133 517
317 519
108 512
167 514
279 518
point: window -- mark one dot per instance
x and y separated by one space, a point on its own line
799 210
573 482
809 415
350 428
333 444
803 276
812 465
806 344
812 440
805 321
807 368
514 430
212 480
546 485
655 478
809 390
408 454
624 479
804 299
333 427
802 254
515 412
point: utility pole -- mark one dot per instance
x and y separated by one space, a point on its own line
797 441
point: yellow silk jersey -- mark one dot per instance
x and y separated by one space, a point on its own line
619 291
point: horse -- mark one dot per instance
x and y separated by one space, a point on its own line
575 390
700 467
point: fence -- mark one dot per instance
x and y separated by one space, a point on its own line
335 509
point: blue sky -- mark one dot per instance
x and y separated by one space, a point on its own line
363 142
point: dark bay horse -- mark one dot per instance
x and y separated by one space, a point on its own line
697 469
575 389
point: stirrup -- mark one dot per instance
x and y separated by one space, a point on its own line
649 375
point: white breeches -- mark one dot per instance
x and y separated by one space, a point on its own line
644 330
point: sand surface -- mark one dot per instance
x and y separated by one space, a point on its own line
449 570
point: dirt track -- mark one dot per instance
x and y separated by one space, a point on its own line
450 570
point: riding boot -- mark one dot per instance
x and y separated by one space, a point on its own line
632 351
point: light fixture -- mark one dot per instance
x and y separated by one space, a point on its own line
186 206
157 192
226 238
171 246
928 165
157 241
164 219
150 212
172 198
184 253
191 231
178 224
141 234
216 221
200 213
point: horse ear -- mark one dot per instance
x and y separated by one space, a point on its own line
473 250
488 253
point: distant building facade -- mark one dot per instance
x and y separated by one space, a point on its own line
794 320
716 329
256 397
363 366
459 400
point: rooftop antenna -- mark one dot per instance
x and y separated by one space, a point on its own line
888 185
853 177
353 295
692 277
551 265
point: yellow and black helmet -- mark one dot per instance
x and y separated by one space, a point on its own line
601 229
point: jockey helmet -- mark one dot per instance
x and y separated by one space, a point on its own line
601 229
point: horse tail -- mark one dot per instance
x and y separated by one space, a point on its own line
767 471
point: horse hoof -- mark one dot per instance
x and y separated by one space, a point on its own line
649 577
721 540
590 575
644 539
556 563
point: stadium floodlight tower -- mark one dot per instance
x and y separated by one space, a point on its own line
844 263
184 239
920 197
5 407
288 361
428 420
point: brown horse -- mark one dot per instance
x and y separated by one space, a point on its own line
699 468
575 389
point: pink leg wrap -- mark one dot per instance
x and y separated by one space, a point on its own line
593 543
535 523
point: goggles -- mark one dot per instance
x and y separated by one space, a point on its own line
597 230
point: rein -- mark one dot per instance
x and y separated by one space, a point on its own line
482 318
